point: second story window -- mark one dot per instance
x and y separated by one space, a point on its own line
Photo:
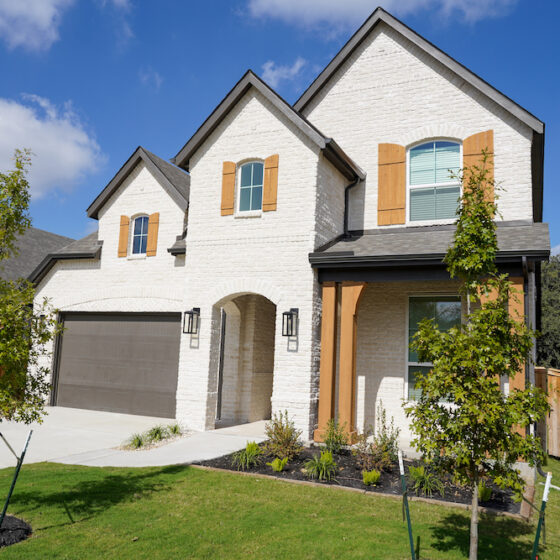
140 235
432 194
250 187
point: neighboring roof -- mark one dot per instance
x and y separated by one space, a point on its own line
89 247
174 180
430 243
32 246
380 15
330 148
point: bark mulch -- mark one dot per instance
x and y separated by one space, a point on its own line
13 530
349 475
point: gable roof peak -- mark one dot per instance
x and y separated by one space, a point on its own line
381 15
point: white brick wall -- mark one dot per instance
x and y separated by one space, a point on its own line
390 91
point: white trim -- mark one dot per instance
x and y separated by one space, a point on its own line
410 187
246 213
407 341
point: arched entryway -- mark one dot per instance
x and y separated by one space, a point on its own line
244 340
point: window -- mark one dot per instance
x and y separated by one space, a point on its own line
250 187
446 311
140 235
433 195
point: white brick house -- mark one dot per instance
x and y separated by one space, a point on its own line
263 212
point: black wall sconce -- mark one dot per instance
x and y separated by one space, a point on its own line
289 322
191 320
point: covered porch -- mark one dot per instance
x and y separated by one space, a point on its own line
374 286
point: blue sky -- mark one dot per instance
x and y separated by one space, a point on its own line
86 81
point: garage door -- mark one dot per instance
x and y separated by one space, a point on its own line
119 362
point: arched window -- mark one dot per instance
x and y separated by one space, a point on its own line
250 186
140 235
433 194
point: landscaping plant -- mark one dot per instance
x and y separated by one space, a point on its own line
484 492
157 433
174 430
283 437
548 344
371 478
463 422
248 457
321 467
27 330
278 464
425 481
336 436
136 441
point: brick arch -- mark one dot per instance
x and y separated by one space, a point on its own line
227 291
416 135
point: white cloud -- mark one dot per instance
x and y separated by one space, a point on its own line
555 250
149 77
273 74
31 24
63 151
352 12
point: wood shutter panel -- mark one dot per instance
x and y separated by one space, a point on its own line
270 186
472 155
123 236
391 193
228 188
153 228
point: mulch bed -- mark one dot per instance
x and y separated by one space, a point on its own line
13 530
349 475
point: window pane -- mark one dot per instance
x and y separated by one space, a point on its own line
422 164
422 204
447 158
136 244
138 226
143 243
258 173
414 372
256 200
448 314
246 172
245 199
447 202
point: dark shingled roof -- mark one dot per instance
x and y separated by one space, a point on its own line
427 243
174 180
33 246
179 247
89 247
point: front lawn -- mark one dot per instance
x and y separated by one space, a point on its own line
182 512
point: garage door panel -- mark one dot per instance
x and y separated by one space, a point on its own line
122 363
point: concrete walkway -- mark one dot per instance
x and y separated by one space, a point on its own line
86 437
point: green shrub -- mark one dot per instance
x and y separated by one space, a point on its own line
321 467
136 441
283 438
278 464
386 437
248 457
174 430
157 433
371 478
425 481
335 436
484 492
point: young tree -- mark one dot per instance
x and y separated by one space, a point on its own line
463 423
25 330
549 342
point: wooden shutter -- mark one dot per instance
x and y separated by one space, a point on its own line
123 236
472 155
153 227
391 193
270 186
228 188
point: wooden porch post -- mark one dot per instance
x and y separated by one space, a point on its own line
516 310
351 293
327 379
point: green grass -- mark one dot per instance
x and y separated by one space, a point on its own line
181 512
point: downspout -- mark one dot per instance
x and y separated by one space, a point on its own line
346 202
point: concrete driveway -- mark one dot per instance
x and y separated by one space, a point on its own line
88 437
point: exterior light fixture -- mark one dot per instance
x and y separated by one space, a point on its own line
190 321
289 322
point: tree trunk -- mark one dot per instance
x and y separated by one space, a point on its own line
473 551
